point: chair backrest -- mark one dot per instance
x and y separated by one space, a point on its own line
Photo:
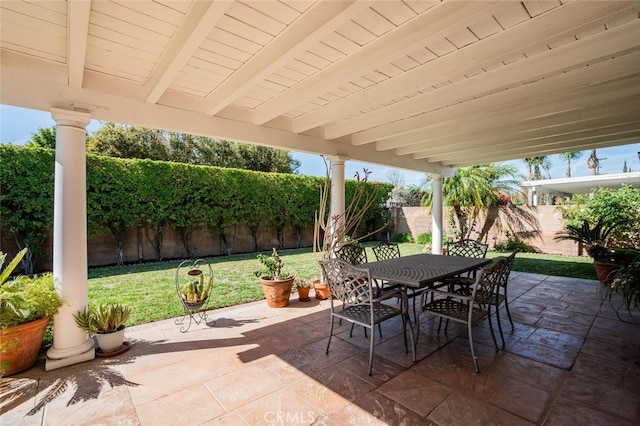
385 250
487 280
467 248
353 254
508 266
347 283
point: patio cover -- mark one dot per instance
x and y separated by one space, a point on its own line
419 85
578 185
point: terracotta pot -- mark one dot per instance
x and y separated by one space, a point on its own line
277 292
303 294
321 290
605 271
20 345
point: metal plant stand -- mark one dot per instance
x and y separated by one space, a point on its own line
193 284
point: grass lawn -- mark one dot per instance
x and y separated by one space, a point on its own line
150 291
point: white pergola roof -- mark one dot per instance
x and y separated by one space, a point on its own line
584 184
419 85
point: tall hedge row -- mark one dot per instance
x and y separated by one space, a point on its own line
156 195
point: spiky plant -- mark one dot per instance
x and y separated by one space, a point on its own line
104 318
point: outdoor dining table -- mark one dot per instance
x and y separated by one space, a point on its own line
420 271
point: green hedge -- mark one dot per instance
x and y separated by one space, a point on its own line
123 193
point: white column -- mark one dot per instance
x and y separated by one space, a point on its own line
71 345
436 214
337 193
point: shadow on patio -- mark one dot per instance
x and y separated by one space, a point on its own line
570 360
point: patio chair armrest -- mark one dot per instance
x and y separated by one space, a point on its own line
443 293
388 295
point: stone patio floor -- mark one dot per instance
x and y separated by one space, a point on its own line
570 361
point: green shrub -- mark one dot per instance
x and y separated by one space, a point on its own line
620 205
158 196
513 244
403 237
424 238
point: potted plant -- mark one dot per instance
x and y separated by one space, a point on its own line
195 293
596 240
303 287
26 306
321 289
626 283
107 323
276 281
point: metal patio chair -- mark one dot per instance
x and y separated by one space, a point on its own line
468 310
500 294
353 299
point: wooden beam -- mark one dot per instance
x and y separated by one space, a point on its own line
198 23
431 25
321 19
77 33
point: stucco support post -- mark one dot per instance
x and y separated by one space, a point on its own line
71 345
436 215
337 195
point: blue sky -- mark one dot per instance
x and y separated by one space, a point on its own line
18 124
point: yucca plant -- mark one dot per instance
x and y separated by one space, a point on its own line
104 318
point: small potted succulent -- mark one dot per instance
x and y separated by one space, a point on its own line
303 287
107 323
276 281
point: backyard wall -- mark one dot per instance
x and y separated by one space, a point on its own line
545 219
101 249
413 220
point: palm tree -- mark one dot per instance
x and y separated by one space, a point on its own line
568 156
474 188
593 163
536 163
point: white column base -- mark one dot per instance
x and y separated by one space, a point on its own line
57 358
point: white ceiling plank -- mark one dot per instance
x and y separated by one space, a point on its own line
47 45
479 53
534 94
515 115
140 19
573 119
276 10
571 103
310 28
552 62
513 79
125 109
569 144
197 24
393 45
256 18
505 145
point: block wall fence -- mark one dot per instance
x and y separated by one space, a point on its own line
414 220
